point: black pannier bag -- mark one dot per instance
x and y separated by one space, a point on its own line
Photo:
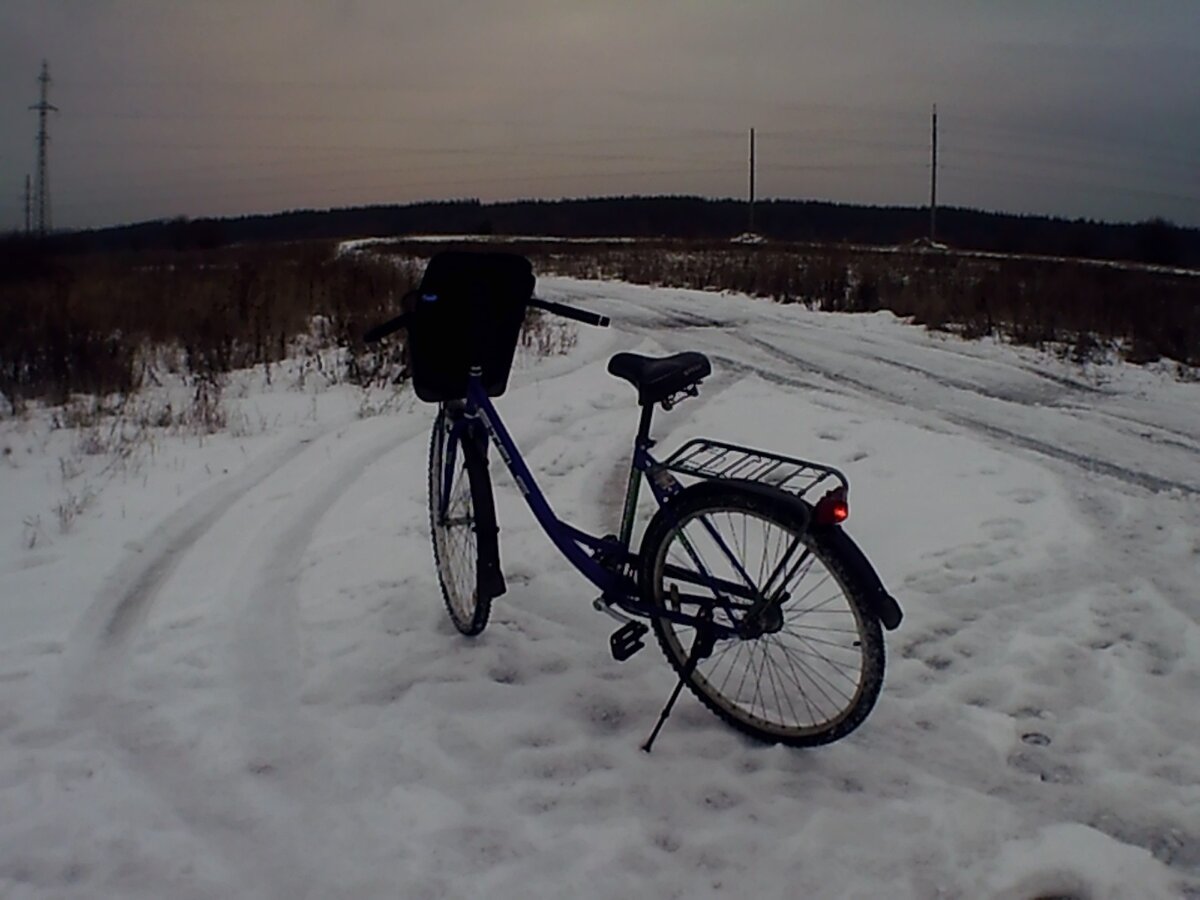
467 311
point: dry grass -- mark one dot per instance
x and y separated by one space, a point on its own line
103 326
1090 309
546 335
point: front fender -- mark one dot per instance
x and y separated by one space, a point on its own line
487 533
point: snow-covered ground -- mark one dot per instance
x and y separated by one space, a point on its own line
226 671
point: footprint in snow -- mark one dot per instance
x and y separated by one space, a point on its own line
601 715
187 622
506 673
935 581
1003 529
559 764
1024 495
1038 762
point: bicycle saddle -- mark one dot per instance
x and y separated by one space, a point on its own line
656 379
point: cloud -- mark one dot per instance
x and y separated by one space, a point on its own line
241 105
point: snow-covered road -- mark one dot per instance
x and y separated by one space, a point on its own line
232 675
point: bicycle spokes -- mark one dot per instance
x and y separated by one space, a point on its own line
788 657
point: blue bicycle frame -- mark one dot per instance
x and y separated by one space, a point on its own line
593 556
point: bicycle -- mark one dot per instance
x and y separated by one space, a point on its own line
762 604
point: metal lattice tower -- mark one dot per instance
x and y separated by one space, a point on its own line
43 139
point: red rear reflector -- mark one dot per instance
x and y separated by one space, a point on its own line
833 508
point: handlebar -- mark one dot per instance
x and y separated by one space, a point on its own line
570 312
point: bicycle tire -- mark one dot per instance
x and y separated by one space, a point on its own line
822 644
466 571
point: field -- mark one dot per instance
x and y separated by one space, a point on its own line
227 672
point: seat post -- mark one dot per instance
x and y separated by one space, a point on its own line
641 443
643 432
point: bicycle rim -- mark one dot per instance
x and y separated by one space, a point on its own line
454 538
807 676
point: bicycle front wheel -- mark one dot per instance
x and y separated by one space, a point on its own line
807 664
461 510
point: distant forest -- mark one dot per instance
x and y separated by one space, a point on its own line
1155 242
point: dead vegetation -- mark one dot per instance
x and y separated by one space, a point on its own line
1087 308
100 327
104 326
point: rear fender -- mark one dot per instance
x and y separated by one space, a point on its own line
773 495
882 604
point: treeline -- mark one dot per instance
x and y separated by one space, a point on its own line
1155 242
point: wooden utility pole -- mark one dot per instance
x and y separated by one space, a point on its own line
933 182
750 227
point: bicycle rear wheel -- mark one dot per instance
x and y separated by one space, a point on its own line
808 666
463 528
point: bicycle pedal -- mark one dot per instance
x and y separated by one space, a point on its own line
627 640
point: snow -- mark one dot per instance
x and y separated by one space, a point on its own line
365 244
920 245
229 673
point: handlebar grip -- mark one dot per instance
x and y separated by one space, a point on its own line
570 312
384 329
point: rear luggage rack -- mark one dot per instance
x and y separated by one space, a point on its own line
704 458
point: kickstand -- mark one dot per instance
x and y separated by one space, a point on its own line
702 647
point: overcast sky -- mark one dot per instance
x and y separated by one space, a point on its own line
1077 108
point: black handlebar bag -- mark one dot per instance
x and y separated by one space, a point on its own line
467 312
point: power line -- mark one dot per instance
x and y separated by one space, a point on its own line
1063 133
1009 178
962 136
536 163
327 185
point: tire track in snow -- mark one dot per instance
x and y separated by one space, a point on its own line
288 752
99 653
664 323
125 598
1132 426
981 364
266 653
1068 398
1079 460
214 805
980 426
283 769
